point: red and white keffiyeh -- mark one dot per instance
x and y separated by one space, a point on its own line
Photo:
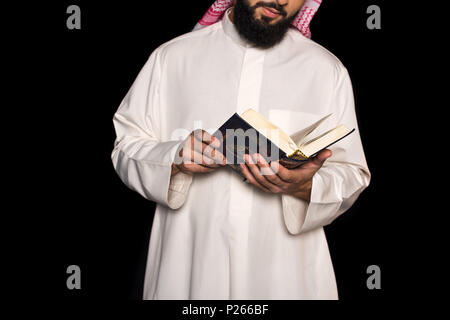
301 21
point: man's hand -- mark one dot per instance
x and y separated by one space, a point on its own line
199 154
275 178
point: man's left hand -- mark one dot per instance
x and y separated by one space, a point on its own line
275 178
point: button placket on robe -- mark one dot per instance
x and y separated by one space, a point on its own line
241 193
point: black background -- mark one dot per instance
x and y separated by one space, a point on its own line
79 212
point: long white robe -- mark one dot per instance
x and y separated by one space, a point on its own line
213 236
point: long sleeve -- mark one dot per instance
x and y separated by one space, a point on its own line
140 158
337 185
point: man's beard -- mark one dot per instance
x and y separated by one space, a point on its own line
259 32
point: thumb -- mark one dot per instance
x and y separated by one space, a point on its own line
320 158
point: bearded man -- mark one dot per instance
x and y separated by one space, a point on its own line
214 236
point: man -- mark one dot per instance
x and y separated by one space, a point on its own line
214 236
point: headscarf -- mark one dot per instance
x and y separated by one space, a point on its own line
301 21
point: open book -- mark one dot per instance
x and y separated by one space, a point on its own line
251 133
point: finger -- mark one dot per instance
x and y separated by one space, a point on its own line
198 158
282 172
317 162
204 137
213 154
254 169
251 179
267 172
207 148
264 167
323 155
193 148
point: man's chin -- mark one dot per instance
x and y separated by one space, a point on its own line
269 21
260 29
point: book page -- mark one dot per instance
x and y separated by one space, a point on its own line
299 137
275 134
313 146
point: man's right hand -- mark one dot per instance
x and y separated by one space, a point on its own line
199 154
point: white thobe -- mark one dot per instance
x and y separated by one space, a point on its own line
214 236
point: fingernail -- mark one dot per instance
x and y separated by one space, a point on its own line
262 160
215 142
